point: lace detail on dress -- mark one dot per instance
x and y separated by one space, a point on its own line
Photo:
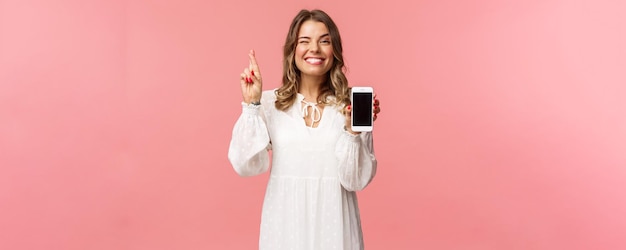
316 115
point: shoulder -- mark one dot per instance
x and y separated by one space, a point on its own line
332 101
268 96
269 93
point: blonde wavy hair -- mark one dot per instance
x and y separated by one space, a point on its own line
336 84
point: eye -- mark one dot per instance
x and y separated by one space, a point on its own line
325 41
303 41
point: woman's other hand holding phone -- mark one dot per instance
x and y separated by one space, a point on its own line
348 113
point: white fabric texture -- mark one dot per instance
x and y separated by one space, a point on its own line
310 201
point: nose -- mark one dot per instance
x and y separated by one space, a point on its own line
314 47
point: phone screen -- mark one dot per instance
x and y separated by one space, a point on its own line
362 109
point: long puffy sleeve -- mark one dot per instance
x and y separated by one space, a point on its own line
250 142
357 163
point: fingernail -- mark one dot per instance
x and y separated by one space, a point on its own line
349 107
252 72
248 80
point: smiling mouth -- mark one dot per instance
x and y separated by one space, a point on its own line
314 61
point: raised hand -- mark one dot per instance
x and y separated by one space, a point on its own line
251 81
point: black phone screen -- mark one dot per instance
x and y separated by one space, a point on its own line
362 109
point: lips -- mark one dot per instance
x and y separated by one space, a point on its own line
314 60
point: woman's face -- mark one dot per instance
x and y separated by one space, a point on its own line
314 49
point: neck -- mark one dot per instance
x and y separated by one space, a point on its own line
310 87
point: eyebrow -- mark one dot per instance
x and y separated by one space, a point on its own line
306 37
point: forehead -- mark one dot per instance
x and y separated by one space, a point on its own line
311 28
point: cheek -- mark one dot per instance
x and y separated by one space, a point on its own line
330 56
299 51
329 52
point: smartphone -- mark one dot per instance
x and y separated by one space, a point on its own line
362 99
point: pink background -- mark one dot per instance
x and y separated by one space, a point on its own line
503 123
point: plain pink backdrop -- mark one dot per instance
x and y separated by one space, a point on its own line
503 123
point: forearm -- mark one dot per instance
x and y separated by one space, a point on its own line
249 143
357 162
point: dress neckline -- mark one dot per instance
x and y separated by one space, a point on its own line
316 114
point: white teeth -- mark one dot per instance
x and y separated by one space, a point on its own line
313 60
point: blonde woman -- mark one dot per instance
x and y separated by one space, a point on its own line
318 162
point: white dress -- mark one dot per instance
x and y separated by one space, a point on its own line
310 201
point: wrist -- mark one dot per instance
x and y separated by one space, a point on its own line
253 102
345 128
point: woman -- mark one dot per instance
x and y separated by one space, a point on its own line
318 162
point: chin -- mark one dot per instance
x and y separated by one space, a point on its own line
316 74
318 71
